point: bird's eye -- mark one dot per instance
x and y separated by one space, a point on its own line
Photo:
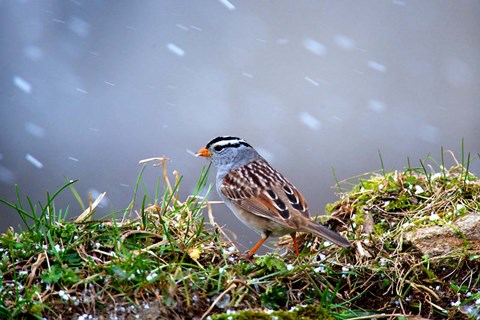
219 148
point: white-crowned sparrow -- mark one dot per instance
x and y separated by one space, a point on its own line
259 195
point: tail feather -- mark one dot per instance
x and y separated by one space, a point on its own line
324 232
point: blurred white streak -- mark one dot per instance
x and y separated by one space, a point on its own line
175 49
33 53
358 71
458 72
95 194
344 42
309 120
227 4
429 133
33 161
377 66
22 84
181 26
310 80
376 105
314 47
399 3
6 175
247 75
81 90
79 27
196 28
282 41
35 130
73 159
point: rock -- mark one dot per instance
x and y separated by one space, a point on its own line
452 238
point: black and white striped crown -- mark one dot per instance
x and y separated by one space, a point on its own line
223 142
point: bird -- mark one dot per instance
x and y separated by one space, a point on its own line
259 195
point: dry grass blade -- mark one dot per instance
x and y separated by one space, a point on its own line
163 259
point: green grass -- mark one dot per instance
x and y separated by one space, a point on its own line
159 258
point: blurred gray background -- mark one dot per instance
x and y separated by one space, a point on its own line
89 88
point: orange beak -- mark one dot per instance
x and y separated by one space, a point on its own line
203 153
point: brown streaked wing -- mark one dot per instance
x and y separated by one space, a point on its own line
244 185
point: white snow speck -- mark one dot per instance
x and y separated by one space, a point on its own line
58 20
419 189
35 130
319 269
429 133
33 161
311 81
376 66
309 120
79 26
344 42
282 41
81 90
227 4
6 175
22 84
314 47
181 26
73 159
176 49
399 3
358 71
376 105
458 72
124 185
455 303
33 53
109 83
95 194
195 28
434 216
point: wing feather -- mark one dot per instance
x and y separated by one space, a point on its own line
261 190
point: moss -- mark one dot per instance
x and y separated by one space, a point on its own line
310 312
164 257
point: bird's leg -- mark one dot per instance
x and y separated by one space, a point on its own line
255 247
295 244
